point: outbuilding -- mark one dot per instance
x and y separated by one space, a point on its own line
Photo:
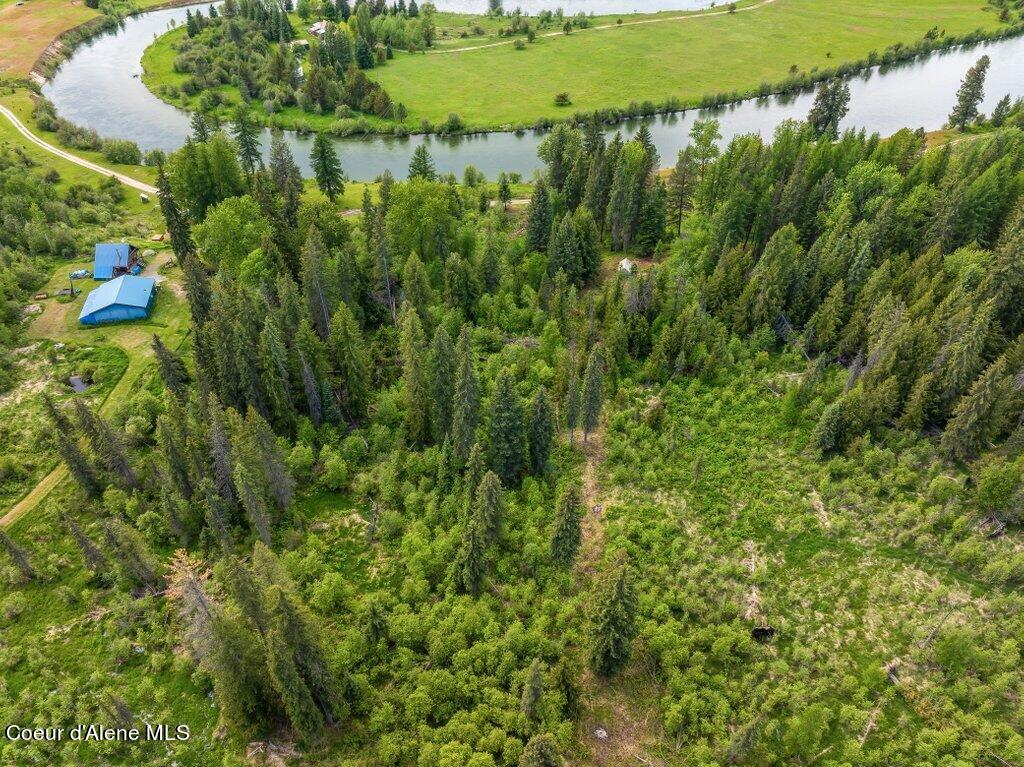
123 298
626 266
112 259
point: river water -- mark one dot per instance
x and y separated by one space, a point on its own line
100 87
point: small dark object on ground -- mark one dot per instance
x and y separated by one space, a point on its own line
763 633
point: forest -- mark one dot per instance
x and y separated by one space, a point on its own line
445 483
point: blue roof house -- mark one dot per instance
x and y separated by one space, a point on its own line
123 298
112 259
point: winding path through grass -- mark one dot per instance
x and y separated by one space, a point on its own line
65 155
617 25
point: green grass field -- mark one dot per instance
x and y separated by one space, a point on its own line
687 59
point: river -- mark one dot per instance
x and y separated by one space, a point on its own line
100 87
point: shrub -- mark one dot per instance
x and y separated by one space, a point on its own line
562 99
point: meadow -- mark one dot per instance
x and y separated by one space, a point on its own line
686 59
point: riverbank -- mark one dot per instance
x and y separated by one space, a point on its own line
675 63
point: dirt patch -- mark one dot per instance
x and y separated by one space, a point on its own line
819 509
593 507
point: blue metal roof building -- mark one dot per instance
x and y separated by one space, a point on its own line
124 298
111 259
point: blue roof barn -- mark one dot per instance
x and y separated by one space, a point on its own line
123 298
113 259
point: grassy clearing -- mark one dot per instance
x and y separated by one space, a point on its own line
684 59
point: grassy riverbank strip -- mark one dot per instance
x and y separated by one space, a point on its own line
674 63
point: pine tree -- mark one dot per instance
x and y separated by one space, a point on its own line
489 506
200 128
651 225
422 164
172 369
564 252
830 107
216 514
327 167
250 493
18 556
197 290
593 396
970 95
250 154
78 464
466 402
681 183
348 351
271 459
538 221
320 298
541 751
174 218
443 365
446 469
286 176
298 701
416 287
133 557
507 431
274 376
471 559
238 665
541 432
614 621
573 403
978 417
95 560
415 376
107 445
533 689
566 532
314 404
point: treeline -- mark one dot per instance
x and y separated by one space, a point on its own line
248 45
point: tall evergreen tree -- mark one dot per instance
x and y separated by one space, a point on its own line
197 289
541 751
566 532
613 624
174 218
538 221
244 131
443 367
172 369
348 353
415 376
78 463
970 95
422 164
327 167
95 560
320 297
573 403
18 556
681 183
593 392
466 400
489 506
286 176
471 559
541 431
831 104
250 493
533 689
506 431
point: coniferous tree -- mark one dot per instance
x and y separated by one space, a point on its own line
443 366
573 403
286 176
566 532
320 298
471 559
250 493
197 289
593 392
78 464
200 128
538 221
533 689
172 369
415 376
327 167
541 432
541 751
250 154
506 431
489 506
274 376
95 560
131 554
350 361
614 621
238 666
175 219
564 252
266 447
831 104
970 95
466 403
314 404
422 164
681 183
18 556
416 287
